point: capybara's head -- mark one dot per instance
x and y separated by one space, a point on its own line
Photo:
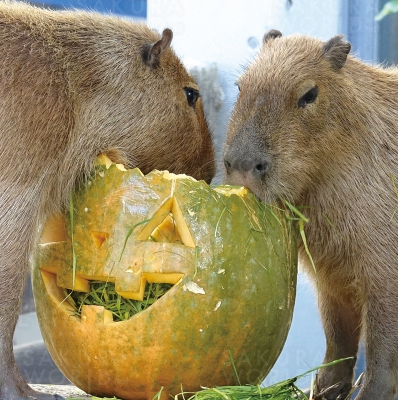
142 103
284 134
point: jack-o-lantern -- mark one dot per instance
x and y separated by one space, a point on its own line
230 258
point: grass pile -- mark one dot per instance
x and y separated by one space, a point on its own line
286 390
104 294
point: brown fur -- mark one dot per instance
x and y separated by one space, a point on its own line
337 157
73 85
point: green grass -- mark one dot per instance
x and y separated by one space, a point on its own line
104 294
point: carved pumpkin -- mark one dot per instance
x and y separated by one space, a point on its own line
231 259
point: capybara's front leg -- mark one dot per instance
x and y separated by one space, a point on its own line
14 261
381 329
342 324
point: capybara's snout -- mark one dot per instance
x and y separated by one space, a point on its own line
246 166
252 168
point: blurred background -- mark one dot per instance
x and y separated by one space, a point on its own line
216 40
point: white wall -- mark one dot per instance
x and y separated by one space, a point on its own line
220 31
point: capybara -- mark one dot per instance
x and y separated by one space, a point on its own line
73 85
315 127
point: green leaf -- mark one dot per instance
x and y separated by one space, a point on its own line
389 8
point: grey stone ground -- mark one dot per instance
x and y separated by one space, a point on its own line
63 390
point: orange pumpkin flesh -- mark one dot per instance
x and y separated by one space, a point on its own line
231 259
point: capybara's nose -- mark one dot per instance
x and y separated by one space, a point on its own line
256 166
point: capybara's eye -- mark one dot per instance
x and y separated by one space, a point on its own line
308 98
192 95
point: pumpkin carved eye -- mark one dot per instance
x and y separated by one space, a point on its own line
168 225
308 98
192 96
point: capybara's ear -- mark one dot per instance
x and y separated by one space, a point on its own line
272 34
336 50
151 54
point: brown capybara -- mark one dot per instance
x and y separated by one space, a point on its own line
316 127
73 85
